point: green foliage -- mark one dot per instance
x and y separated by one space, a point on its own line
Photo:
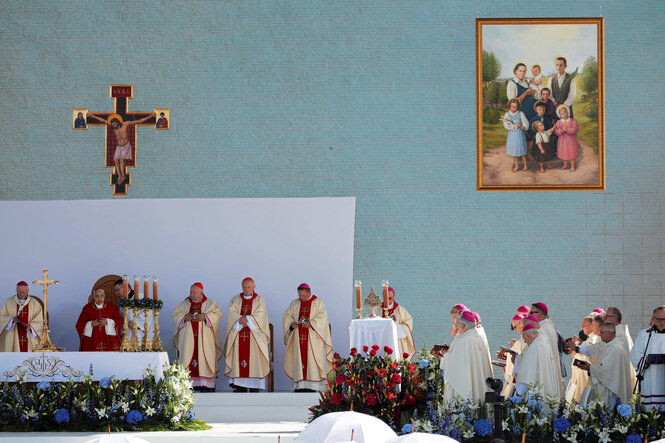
589 77
492 93
592 111
145 405
391 391
491 67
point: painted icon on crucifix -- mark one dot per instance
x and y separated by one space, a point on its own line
79 118
120 135
162 116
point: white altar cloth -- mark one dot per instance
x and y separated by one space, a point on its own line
65 366
375 331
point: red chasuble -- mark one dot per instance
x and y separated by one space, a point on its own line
245 336
303 333
99 340
194 364
22 330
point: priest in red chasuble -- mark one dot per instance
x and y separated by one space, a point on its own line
21 321
99 325
306 332
197 337
247 337
404 324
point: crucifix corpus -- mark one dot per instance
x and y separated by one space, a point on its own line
45 344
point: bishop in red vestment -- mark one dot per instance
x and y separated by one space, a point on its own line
99 325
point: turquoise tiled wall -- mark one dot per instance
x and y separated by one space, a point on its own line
367 99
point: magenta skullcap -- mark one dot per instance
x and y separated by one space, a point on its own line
468 316
519 317
391 289
524 308
461 307
532 318
476 316
528 327
599 310
303 286
542 306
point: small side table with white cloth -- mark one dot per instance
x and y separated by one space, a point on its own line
375 331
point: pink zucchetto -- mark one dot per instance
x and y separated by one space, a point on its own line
532 318
391 289
468 316
542 306
476 316
303 286
524 309
22 283
528 327
518 317
460 307
599 311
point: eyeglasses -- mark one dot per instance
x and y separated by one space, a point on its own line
533 312
658 319
610 315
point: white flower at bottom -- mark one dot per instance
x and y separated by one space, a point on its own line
29 414
124 406
149 411
101 413
505 425
572 438
469 434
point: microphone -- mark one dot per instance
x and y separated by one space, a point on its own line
653 328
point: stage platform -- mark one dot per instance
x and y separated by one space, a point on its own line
243 418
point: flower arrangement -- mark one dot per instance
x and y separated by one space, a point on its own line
119 405
532 419
141 303
393 391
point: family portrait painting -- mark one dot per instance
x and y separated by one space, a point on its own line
540 104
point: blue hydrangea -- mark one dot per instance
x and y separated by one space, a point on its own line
561 425
407 428
454 433
43 385
133 417
61 416
191 415
105 382
482 427
535 403
423 363
430 395
515 399
624 410
633 438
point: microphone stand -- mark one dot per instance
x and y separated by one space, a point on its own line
644 364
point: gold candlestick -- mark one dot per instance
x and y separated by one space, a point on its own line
124 345
135 345
156 341
147 345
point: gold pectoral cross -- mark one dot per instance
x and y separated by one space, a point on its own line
45 343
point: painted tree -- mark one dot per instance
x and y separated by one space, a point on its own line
491 67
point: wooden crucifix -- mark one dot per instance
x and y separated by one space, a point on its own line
45 343
121 134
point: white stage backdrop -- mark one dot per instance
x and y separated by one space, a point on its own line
278 242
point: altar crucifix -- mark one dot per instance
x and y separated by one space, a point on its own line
121 134
45 343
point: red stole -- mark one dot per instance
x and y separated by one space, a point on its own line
245 335
22 330
303 333
194 363
391 311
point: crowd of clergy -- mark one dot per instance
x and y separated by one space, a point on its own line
606 365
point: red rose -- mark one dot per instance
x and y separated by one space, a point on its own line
405 355
353 352
365 349
371 400
396 378
382 372
351 381
336 356
376 347
336 399
341 378
394 365
387 350
372 352
369 373
409 400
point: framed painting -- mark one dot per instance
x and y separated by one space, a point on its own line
540 96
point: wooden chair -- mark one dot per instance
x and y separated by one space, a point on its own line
271 356
106 283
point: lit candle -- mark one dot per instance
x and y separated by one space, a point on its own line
137 282
154 288
146 288
125 286
359 294
385 294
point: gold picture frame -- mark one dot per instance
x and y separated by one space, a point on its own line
507 52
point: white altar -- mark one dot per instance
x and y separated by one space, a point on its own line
65 366
375 331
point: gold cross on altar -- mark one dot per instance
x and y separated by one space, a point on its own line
45 343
